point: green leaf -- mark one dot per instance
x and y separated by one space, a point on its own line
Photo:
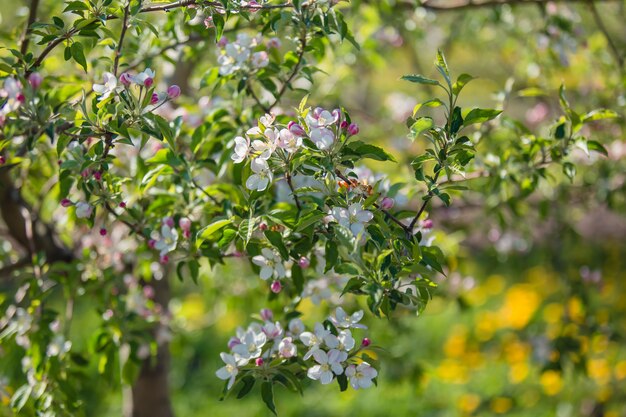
206 232
442 67
599 114
592 145
457 120
276 239
420 126
420 79
79 55
267 393
248 384
435 102
461 82
480 116
569 170
365 150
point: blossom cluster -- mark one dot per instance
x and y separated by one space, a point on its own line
240 54
269 142
167 240
12 94
328 350
111 85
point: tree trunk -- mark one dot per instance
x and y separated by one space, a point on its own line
151 395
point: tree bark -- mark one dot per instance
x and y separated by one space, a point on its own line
151 395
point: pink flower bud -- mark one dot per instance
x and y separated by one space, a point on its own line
20 97
164 259
148 82
86 173
148 291
353 129
103 232
173 91
168 221
151 243
35 79
276 287
126 79
66 202
366 342
263 227
184 223
259 361
387 203
222 42
154 99
122 204
344 124
304 262
97 175
208 22
274 43
336 115
296 129
427 224
234 341
267 314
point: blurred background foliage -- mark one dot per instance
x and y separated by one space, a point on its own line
531 318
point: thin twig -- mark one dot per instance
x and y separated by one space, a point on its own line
619 58
294 72
293 190
191 39
32 16
118 51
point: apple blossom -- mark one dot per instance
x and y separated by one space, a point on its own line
328 364
361 375
304 262
126 79
259 362
58 346
66 202
353 218
288 141
366 342
83 210
266 314
145 78
35 79
353 129
322 137
276 287
103 232
108 87
250 347
260 59
230 371
346 341
296 327
296 129
167 241
271 264
262 176
173 91
387 203
314 340
287 349
272 330
242 149
154 99
343 320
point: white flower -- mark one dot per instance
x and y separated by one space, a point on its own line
321 118
229 371
168 240
329 364
315 340
272 330
143 76
317 290
286 348
58 346
109 86
271 264
346 341
288 141
83 210
322 138
12 90
262 175
296 327
361 375
267 120
354 217
250 347
266 148
343 320
242 149
260 59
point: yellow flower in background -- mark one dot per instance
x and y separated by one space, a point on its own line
551 382
501 405
599 371
467 403
455 346
521 302
452 371
620 370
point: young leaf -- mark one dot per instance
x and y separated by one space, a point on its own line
420 79
267 393
480 116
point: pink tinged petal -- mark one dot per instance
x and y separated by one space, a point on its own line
307 338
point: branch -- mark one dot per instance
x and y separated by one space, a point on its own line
191 39
118 51
32 16
293 190
613 48
447 5
294 72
